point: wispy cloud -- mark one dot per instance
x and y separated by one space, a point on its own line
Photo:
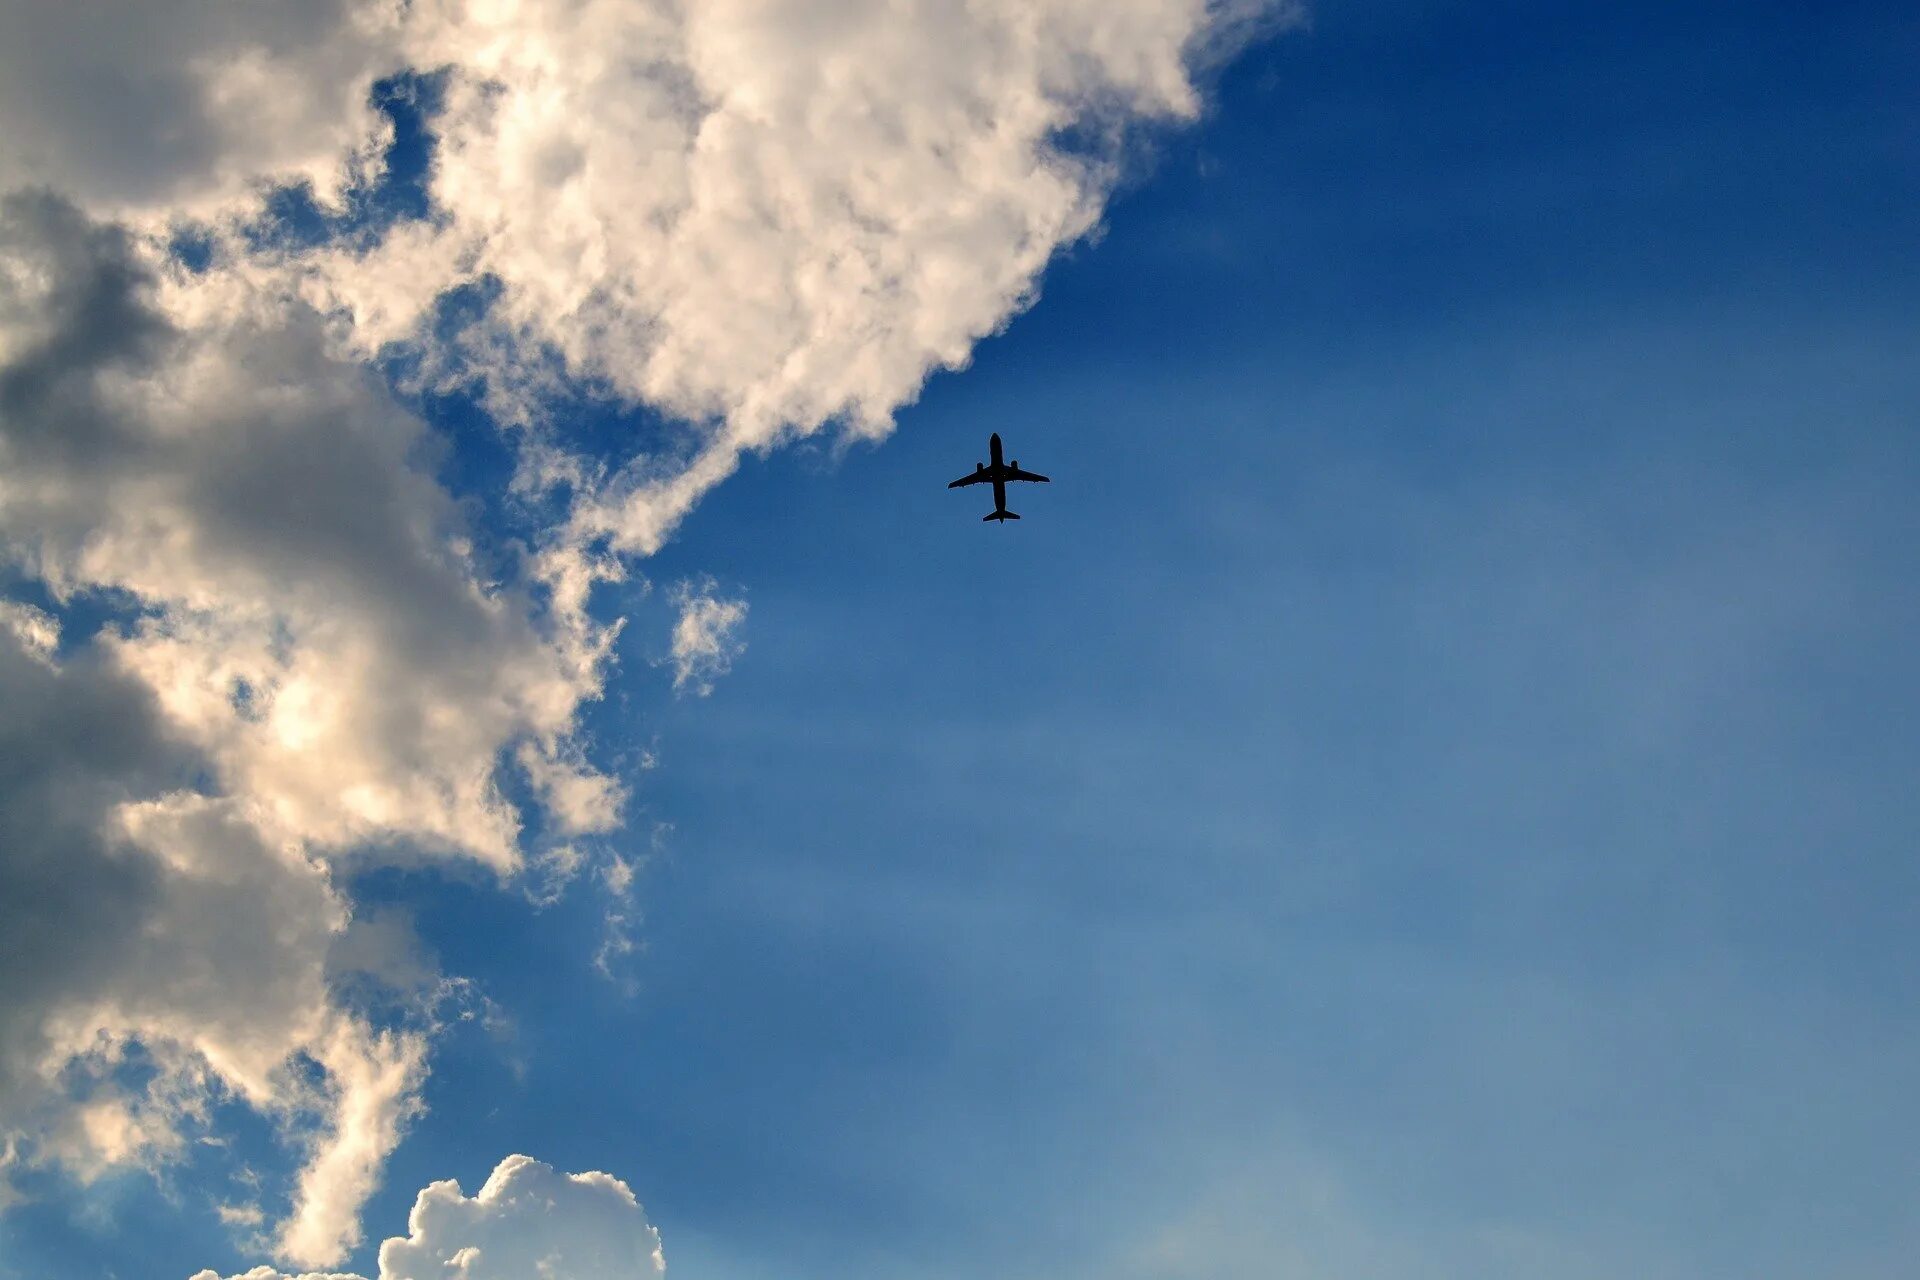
706 637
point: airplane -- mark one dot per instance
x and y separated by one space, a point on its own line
997 475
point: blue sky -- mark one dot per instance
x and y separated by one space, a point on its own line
1426 791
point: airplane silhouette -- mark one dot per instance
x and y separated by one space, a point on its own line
997 475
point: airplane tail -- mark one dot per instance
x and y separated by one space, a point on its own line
1000 515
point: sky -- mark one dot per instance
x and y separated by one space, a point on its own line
513 763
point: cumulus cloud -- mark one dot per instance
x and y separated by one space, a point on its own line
316 620
314 665
164 107
758 219
762 218
706 638
527 1221
151 926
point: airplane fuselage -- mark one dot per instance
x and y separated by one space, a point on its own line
997 475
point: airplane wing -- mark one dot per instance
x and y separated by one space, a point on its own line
1015 473
978 477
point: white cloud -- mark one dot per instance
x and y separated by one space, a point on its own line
616 935
757 217
528 1221
373 1080
706 637
554 869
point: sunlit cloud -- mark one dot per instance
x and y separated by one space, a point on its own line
706 638
753 222
528 1220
